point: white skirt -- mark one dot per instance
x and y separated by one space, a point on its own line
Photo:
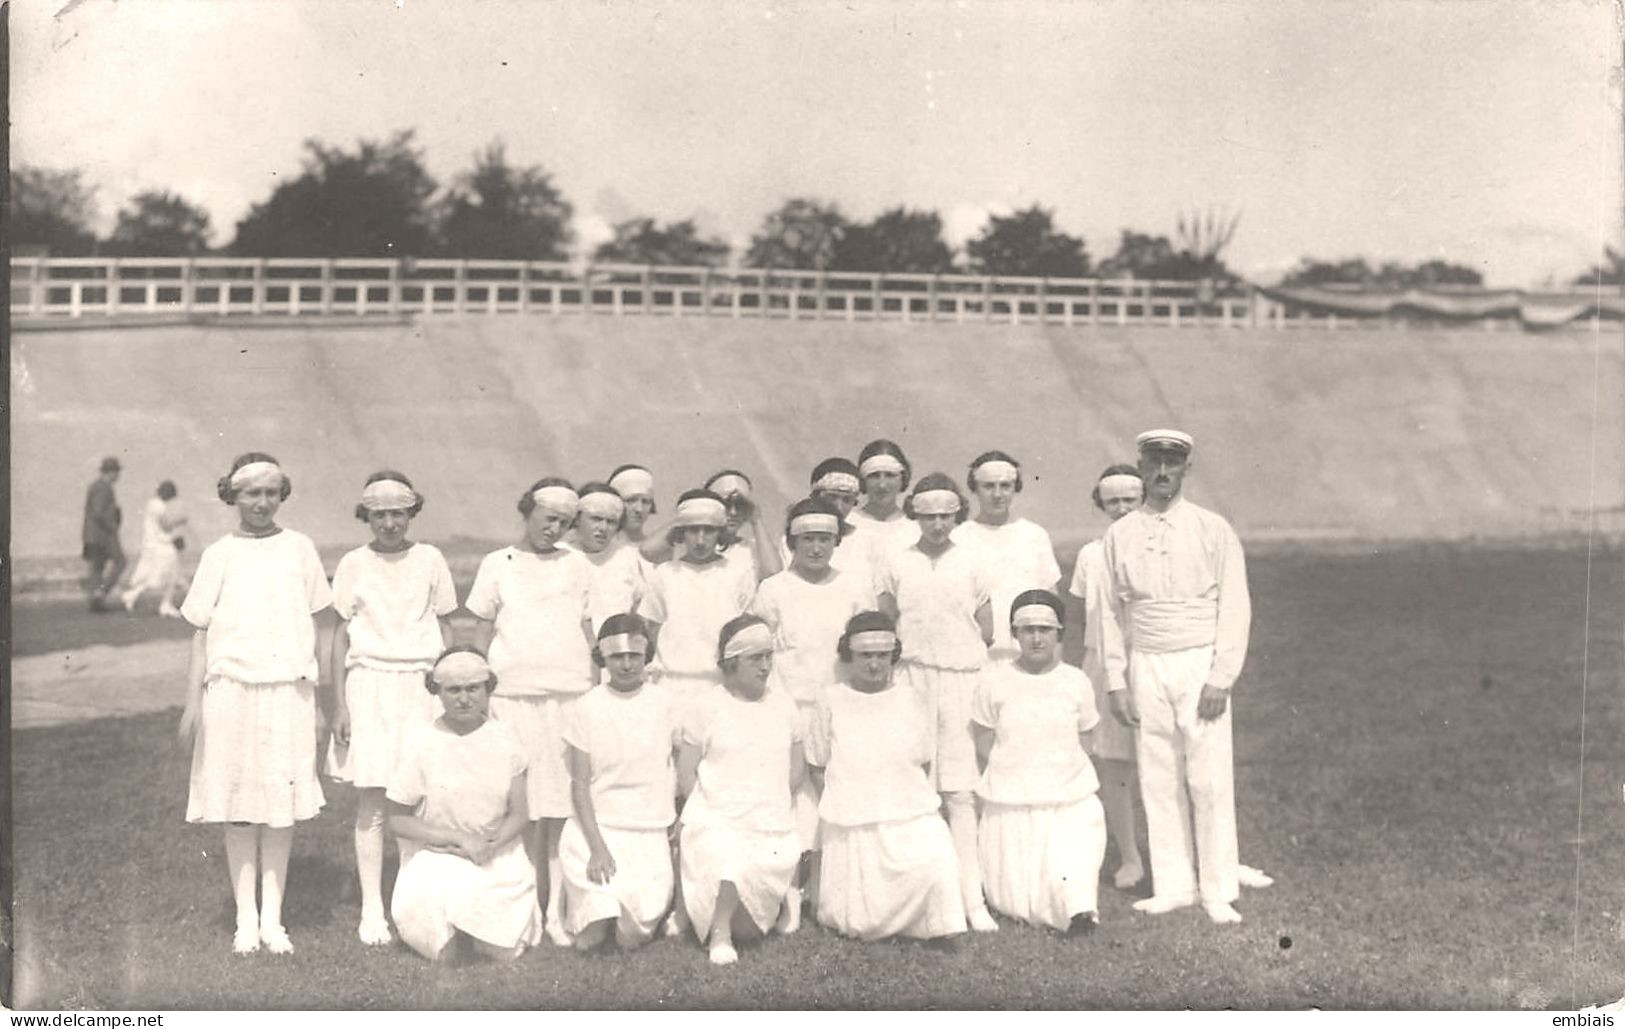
439 894
538 720
947 693
385 709
254 759
156 569
891 879
1041 863
759 864
637 896
806 795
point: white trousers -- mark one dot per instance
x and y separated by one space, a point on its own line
1186 777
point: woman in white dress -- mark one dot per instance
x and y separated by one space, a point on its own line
1018 553
250 712
394 598
622 740
635 485
807 606
888 864
740 761
879 524
835 481
1043 835
617 579
532 602
938 593
457 799
743 542
159 566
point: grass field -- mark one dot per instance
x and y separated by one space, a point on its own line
1409 766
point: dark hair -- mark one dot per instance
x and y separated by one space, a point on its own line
166 490
814 505
460 648
731 628
936 481
603 487
834 464
390 475
867 621
1116 469
884 446
1045 597
675 533
223 489
527 502
991 455
625 624
730 471
653 507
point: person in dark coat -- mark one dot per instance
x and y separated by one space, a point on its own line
101 545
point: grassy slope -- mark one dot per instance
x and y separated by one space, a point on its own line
1423 435
1408 764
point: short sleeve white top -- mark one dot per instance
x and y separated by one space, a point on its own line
617 582
937 598
744 771
458 782
874 748
629 739
692 603
538 602
1017 555
1089 585
255 596
807 620
153 533
393 603
1037 756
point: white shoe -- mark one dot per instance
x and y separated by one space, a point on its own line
982 922
790 914
246 940
677 923
556 933
276 939
723 954
374 930
1222 914
1252 878
1160 905
1128 877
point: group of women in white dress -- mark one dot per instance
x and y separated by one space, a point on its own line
697 727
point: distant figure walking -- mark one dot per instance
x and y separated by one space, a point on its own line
158 567
101 546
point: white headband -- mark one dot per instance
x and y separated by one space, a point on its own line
633 482
873 640
936 502
606 504
1035 614
752 639
388 495
1121 485
996 471
837 482
258 473
815 522
726 484
623 643
880 463
463 668
562 499
701 511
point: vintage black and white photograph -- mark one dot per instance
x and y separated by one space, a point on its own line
808 505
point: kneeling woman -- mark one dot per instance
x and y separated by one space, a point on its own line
458 795
620 740
1043 834
888 860
740 761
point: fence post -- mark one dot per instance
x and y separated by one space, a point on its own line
877 302
524 288
112 287
822 287
705 290
188 284
931 296
76 299
648 290
1094 301
1043 300
258 301
987 298
1173 313
586 289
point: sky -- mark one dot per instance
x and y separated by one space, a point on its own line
1486 132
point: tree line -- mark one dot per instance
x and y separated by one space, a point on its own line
377 199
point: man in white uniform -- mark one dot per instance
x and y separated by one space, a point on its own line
1174 638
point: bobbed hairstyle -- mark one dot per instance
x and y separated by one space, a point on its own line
623 625
674 535
1045 597
1115 469
866 621
653 507
936 481
602 487
991 455
390 475
228 494
727 472
167 490
731 628
814 505
460 648
884 446
527 502
834 464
